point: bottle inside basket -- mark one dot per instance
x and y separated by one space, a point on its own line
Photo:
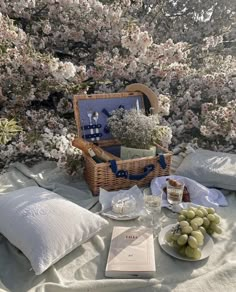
94 156
87 148
95 152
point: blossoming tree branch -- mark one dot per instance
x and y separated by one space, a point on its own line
51 49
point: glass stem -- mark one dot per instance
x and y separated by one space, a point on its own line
153 220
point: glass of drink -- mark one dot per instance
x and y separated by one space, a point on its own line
152 204
174 190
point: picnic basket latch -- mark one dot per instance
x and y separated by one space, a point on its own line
147 169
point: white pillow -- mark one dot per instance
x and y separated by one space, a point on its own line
210 168
44 225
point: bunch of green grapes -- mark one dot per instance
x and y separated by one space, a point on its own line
188 235
201 218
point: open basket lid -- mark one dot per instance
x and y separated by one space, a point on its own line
86 105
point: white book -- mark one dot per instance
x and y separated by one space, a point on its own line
131 253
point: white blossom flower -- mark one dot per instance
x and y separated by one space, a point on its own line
58 48
137 130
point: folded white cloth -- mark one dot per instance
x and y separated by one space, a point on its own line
199 194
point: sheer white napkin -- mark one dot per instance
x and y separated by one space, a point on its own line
105 199
199 194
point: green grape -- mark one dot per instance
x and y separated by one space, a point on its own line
182 239
181 218
198 236
203 230
206 222
204 211
189 251
175 236
192 241
197 253
187 230
211 210
218 230
211 217
217 219
215 228
184 212
212 226
190 214
199 213
168 236
192 209
197 220
194 225
183 224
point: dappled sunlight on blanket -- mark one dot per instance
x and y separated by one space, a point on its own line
83 269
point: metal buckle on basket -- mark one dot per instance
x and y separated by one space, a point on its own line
149 167
122 173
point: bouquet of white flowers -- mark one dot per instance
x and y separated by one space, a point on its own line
136 130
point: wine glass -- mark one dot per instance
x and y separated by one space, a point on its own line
174 191
152 203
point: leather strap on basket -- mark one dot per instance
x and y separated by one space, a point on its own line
147 169
125 173
162 161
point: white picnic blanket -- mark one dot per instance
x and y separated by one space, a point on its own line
83 269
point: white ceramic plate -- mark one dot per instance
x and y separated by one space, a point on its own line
206 249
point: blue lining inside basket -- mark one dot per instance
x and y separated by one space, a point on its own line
98 104
115 150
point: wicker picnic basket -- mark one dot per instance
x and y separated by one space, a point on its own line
116 174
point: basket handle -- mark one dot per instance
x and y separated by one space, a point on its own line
146 91
147 169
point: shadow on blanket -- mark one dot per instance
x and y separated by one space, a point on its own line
83 269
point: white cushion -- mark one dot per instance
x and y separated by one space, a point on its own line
210 168
44 225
